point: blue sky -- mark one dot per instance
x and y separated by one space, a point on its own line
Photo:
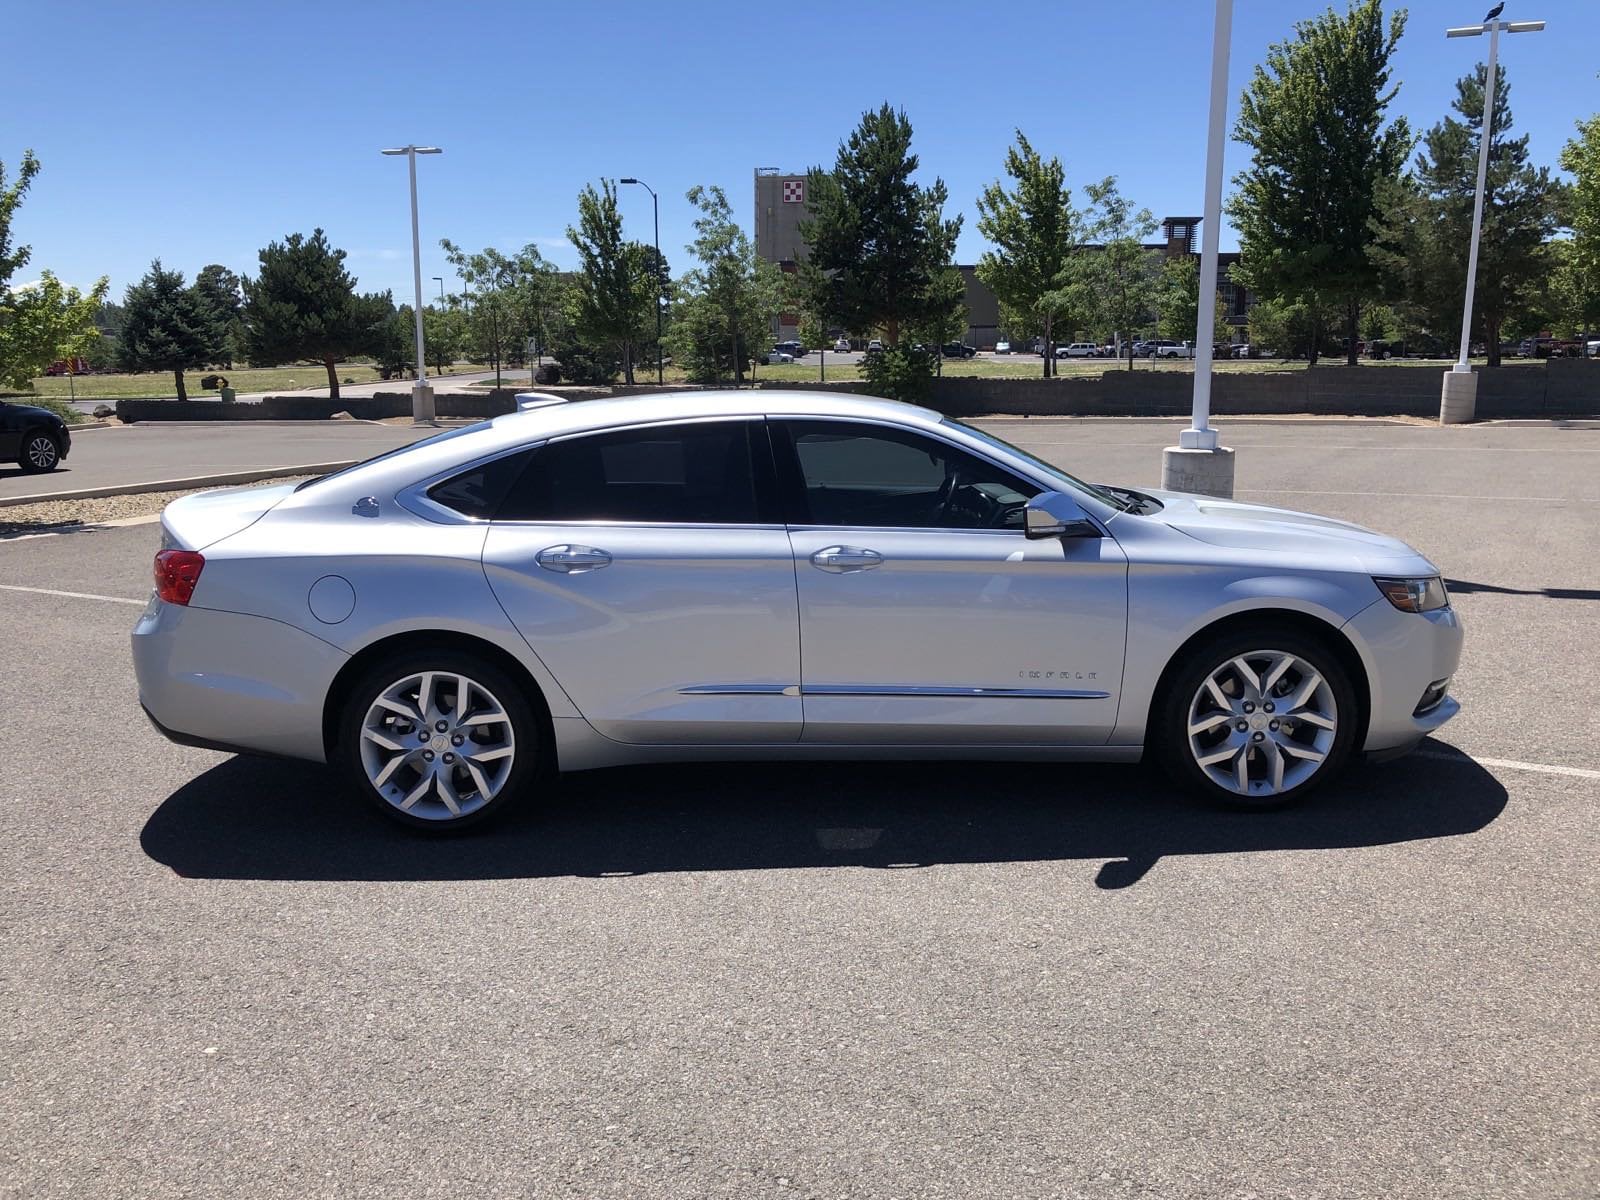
197 132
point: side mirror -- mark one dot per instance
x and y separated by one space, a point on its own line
1057 515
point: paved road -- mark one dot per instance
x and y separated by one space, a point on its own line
223 978
149 452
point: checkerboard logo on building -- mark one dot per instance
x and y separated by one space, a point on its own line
794 191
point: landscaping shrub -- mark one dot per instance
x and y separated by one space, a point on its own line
900 372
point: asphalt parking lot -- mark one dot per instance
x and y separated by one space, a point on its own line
221 977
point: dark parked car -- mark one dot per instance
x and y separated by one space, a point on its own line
957 350
33 438
792 349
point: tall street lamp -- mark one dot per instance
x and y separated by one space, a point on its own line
1458 401
439 279
655 205
421 393
1198 463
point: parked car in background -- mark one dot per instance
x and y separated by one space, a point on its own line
775 356
793 349
1002 347
1242 350
630 581
841 345
1139 347
1077 350
1167 348
33 438
958 350
875 345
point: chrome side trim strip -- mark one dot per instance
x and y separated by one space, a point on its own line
957 693
814 689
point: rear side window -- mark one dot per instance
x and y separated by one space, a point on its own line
479 491
682 474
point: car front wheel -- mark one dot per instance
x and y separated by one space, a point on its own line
40 452
439 741
1257 720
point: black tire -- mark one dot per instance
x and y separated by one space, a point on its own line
1169 735
531 760
40 452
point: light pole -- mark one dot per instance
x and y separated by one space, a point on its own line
421 393
655 205
1198 463
439 279
1458 401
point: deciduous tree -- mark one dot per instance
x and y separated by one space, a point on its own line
1120 275
612 305
40 321
1581 270
1315 114
1037 236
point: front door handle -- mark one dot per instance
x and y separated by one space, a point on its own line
573 560
843 559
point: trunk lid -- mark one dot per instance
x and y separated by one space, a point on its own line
204 519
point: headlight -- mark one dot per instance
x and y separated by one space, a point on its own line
1415 595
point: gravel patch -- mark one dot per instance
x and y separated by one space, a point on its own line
76 516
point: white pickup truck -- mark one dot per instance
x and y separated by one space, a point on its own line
1167 349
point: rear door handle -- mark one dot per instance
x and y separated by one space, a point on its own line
572 560
843 559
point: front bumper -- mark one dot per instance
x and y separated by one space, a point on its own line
1404 653
228 681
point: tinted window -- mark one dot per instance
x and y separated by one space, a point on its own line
699 474
480 491
868 475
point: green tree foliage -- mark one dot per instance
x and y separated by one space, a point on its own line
303 307
878 242
444 330
899 372
1178 302
1315 114
513 299
42 321
1580 278
168 327
947 317
1422 235
1121 277
394 338
612 305
728 302
1037 237
221 290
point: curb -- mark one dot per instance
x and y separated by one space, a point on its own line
175 485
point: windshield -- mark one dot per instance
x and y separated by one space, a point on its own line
430 441
1070 483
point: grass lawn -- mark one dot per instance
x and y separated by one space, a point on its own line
241 379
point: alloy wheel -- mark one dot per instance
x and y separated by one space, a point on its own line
437 745
41 452
1262 723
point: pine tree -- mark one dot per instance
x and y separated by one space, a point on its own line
168 327
1427 221
877 242
303 306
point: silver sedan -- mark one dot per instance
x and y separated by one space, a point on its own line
776 576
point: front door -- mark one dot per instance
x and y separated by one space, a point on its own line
645 571
926 615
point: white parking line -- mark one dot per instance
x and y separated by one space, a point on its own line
12 587
1508 764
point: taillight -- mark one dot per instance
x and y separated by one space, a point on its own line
177 571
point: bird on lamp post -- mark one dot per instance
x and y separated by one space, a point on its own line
1494 12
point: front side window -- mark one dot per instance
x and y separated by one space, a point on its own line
678 474
870 475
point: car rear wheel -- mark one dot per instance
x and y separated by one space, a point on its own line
1257 719
40 452
439 741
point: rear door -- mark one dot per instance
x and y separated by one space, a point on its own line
926 614
649 571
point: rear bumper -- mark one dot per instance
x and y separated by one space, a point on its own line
226 681
1405 653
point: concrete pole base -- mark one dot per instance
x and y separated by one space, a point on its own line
1204 472
422 404
1458 402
